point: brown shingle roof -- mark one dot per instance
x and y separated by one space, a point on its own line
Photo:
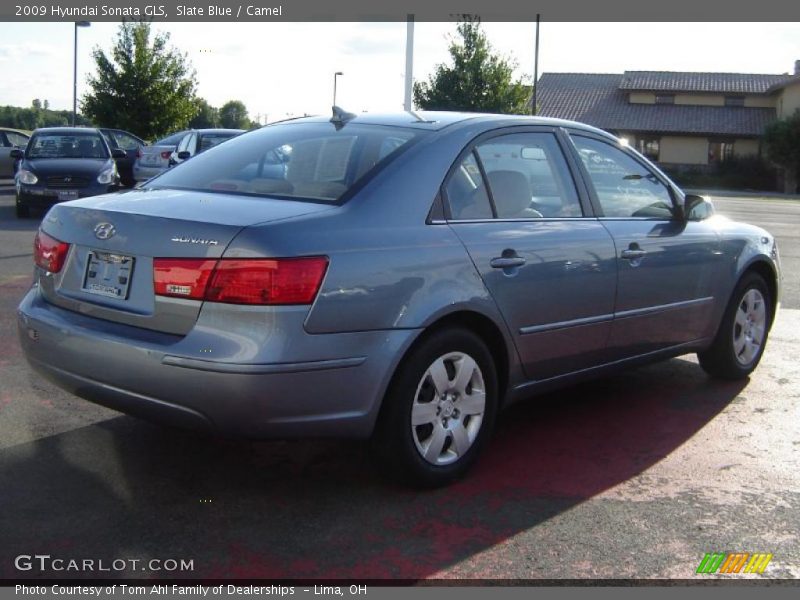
669 81
596 99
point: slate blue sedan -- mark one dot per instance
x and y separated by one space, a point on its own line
399 278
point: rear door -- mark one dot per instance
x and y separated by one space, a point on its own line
666 265
549 264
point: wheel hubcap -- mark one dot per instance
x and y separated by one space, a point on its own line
448 408
749 327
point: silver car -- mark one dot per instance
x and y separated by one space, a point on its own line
10 139
153 160
399 278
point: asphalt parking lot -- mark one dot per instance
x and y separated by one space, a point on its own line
633 476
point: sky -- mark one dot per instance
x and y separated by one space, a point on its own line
286 69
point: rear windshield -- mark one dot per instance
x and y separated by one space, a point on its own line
209 140
312 161
170 140
72 145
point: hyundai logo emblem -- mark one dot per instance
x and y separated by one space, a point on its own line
67 179
103 231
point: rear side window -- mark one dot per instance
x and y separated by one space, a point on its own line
466 192
528 177
313 161
125 141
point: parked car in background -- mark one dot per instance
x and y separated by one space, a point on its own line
64 163
128 143
153 159
10 139
402 278
196 141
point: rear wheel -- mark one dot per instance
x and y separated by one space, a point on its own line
742 336
440 409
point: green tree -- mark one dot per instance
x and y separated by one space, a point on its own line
207 116
233 115
143 86
37 104
782 141
478 80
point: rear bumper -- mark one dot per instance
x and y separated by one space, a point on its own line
139 373
144 173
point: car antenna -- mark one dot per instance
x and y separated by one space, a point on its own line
341 117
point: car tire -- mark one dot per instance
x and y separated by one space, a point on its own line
22 211
439 410
742 335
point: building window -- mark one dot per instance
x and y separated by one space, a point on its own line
734 100
719 151
648 146
665 98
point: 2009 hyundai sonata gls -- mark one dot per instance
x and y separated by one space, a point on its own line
400 277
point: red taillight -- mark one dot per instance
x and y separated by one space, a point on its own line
166 155
241 281
182 277
48 252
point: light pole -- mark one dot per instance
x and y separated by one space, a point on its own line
335 75
75 70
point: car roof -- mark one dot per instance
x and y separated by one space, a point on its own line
437 120
12 130
67 130
212 130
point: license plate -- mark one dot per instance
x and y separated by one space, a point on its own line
68 195
108 274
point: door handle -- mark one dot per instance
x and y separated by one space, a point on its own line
633 254
506 262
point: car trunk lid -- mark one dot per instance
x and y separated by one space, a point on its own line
114 239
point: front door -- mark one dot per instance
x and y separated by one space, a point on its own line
666 265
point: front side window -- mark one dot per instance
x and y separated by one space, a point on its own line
528 177
313 161
623 186
66 145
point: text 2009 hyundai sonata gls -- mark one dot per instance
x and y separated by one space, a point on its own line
400 277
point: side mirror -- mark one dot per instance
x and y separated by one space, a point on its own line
697 208
184 154
16 153
118 153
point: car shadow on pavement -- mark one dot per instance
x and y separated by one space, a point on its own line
10 222
126 489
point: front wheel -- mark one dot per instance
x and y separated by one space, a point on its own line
742 336
439 410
